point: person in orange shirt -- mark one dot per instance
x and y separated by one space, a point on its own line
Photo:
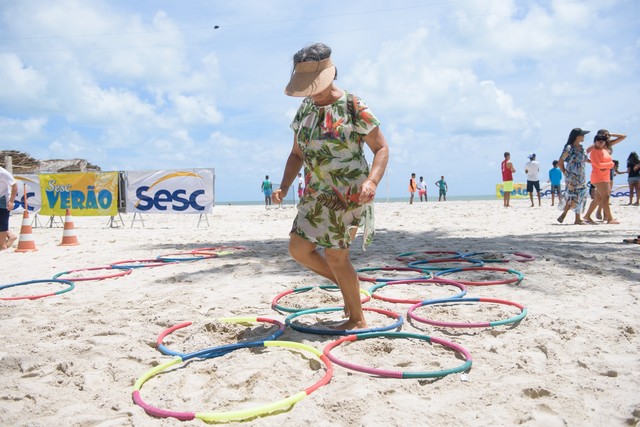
413 187
601 165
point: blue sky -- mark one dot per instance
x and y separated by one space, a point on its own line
154 85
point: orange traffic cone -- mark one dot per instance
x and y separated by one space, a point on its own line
26 242
69 237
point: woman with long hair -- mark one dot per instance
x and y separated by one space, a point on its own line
572 164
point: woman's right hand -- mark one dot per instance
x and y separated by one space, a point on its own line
279 195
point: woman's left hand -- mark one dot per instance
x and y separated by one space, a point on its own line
367 191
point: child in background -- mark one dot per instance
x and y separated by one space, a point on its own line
555 178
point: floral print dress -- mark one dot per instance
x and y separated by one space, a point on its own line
575 178
332 144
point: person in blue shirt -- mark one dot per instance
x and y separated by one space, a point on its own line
555 178
267 189
443 188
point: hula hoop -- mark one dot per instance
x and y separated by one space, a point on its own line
119 273
417 264
138 263
222 349
29 282
409 256
522 257
277 307
218 250
388 268
399 374
183 257
373 289
239 414
318 331
517 279
514 319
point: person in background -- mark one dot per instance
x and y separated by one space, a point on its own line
572 163
413 187
267 189
330 129
601 167
532 169
422 189
300 186
555 178
507 178
611 140
443 188
8 191
633 169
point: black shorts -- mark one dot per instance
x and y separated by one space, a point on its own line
533 184
4 220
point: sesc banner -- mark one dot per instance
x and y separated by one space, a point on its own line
84 193
520 190
30 183
170 191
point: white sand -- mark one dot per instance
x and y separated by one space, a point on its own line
72 359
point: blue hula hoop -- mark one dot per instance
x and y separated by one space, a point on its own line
222 349
318 331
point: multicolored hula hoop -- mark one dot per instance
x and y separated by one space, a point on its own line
514 319
277 307
389 268
184 257
374 288
431 263
399 374
289 322
423 255
223 349
49 294
239 414
517 279
119 272
218 250
138 263
522 257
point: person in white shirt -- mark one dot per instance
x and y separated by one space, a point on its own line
422 189
8 191
532 169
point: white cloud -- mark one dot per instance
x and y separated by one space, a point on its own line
18 131
21 85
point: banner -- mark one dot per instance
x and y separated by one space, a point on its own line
84 193
170 191
520 190
34 198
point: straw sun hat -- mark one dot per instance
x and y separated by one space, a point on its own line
311 77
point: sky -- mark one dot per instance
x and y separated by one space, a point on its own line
158 84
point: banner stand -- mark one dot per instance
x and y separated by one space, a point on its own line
36 222
53 221
206 218
139 215
113 223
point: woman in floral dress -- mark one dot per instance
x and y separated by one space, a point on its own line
330 130
572 164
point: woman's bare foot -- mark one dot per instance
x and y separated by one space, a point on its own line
588 220
350 325
613 221
561 218
10 241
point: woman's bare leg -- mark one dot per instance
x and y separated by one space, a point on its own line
343 271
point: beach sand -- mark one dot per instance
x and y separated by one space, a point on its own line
72 359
